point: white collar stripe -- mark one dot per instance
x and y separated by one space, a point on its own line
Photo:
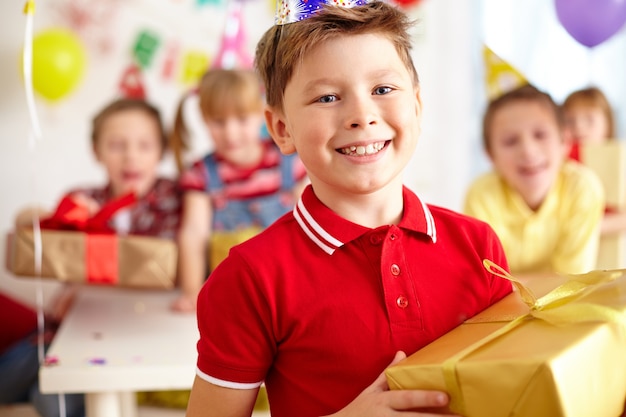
430 223
305 227
319 230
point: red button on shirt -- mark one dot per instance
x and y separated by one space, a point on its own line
402 302
395 270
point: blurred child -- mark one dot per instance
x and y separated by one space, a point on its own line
319 303
238 189
545 208
19 361
128 140
589 120
588 116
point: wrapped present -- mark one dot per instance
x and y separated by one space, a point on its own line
560 355
86 251
106 259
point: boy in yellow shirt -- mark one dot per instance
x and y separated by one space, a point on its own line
545 209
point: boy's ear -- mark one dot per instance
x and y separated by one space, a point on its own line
418 102
277 128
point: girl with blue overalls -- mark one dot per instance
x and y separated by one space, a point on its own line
237 190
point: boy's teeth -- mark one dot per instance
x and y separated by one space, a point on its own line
360 150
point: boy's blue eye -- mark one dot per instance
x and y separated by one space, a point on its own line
382 90
327 99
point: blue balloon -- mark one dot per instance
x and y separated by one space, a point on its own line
591 22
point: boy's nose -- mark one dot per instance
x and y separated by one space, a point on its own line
529 148
361 113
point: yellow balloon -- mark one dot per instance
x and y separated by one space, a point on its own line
59 62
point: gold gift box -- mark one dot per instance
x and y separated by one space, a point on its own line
535 369
137 261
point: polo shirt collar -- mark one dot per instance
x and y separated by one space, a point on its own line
330 231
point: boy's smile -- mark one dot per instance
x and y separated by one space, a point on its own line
351 111
362 150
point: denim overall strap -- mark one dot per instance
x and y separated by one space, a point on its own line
230 215
214 184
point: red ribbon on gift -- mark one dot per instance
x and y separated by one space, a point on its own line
101 254
69 215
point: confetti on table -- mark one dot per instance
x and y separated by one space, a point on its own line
97 361
51 360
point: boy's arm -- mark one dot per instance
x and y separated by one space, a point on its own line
209 400
613 223
192 242
580 229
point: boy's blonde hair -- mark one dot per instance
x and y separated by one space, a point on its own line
283 47
222 93
526 93
592 97
122 105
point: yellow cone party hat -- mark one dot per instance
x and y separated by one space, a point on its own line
500 76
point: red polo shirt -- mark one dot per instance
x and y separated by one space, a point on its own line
317 306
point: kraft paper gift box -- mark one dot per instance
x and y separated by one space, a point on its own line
103 259
563 357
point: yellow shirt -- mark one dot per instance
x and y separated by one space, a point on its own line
561 236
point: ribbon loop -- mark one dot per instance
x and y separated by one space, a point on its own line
527 295
69 215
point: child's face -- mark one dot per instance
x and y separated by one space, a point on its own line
129 147
586 124
527 149
237 137
352 113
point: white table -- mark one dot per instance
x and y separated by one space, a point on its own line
115 342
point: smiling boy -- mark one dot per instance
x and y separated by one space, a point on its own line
362 270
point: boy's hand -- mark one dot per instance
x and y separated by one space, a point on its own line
378 400
184 304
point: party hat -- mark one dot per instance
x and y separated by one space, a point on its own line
232 53
500 76
290 11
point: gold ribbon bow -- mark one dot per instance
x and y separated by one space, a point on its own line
556 308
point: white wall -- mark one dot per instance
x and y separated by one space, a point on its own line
447 54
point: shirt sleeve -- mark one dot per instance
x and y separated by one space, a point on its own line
195 178
578 246
236 345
